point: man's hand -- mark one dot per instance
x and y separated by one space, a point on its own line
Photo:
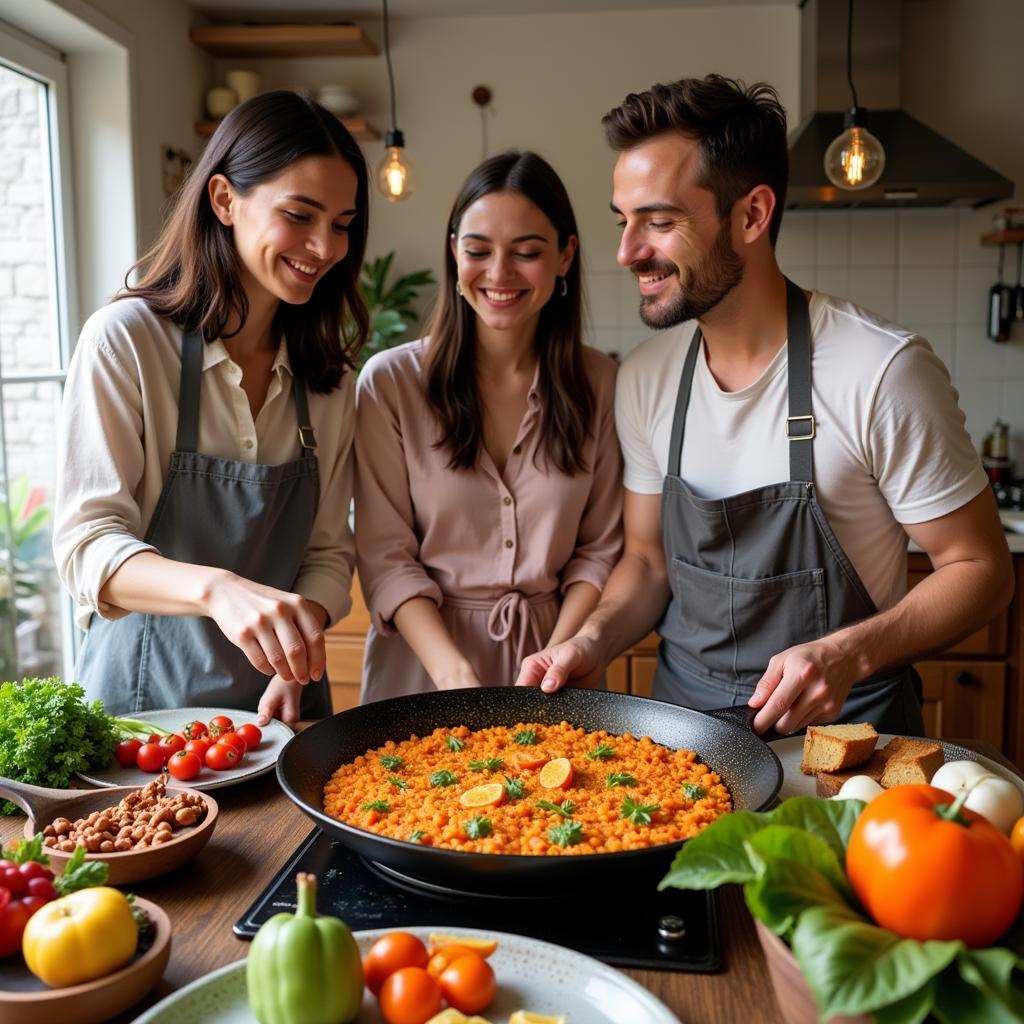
803 685
574 661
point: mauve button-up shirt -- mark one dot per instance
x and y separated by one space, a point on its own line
423 530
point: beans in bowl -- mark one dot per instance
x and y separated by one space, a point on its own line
529 789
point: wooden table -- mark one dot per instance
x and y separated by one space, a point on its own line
258 830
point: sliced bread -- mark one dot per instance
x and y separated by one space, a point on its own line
910 761
834 748
829 783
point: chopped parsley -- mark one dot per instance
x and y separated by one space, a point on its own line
526 737
565 808
396 781
443 778
378 805
568 833
416 836
492 764
639 814
620 779
391 762
602 752
693 791
514 788
454 743
478 828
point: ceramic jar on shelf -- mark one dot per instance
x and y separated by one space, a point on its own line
338 99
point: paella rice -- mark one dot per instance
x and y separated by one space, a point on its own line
532 788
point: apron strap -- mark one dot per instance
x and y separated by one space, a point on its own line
188 392
307 439
675 451
800 429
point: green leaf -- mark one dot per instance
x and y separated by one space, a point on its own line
694 791
568 833
983 987
718 854
525 737
396 781
619 779
638 813
565 808
454 743
25 850
830 820
784 842
391 762
79 873
478 828
377 805
514 788
855 967
602 752
417 836
492 764
443 778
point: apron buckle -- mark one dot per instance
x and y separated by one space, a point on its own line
793 435
306 437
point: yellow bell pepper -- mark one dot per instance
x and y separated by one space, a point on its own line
86 935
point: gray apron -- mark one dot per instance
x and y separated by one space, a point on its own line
252 519
758 572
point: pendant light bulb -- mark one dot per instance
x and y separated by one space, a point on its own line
855 159
395 172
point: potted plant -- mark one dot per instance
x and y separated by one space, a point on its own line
390 305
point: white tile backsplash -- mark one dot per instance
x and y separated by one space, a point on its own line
873 239
927 238
943 342
874 289
925 296
972 288
832 239
796 245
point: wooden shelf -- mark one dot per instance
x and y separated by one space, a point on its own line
255 41
1008 237
359 127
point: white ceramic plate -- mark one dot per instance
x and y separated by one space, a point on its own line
795 783
256 762
532 975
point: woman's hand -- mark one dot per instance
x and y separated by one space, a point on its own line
458 677
279 700
280 633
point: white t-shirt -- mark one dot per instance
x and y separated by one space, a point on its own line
119 420
891 446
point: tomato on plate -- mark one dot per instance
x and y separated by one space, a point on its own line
233 739
199 748
126 752
42 887
251 734
184 765
220 725
33 869
13 919
468 983
12 879
221 756
151 757
442 957
195 730
410 996
389 953
172 743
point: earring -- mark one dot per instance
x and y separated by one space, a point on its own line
564 290
458 287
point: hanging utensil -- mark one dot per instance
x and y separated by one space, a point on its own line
1000 309
1017 302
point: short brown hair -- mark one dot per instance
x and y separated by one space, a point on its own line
741 132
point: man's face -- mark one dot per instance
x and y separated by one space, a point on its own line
678 250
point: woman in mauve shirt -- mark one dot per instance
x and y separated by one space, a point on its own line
488 474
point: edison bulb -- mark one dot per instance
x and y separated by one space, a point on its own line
394 175
855 159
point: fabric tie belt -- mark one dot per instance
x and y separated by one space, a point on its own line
510 616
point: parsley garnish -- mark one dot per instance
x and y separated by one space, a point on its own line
565 808
639 814
443 778
378 805
478 828
602 752
620 779
391 762
514 788
526 737
492 764
396 781
568 833
692 791
454 743
416 836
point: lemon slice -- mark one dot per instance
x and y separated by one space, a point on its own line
526 1017
556 774
488 795
485 947
453 1016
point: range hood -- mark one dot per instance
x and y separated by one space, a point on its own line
922 167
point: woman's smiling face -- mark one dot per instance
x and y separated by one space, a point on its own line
508 260
289 231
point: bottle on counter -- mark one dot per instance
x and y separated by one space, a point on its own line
995 454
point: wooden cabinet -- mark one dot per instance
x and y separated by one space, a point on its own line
345 642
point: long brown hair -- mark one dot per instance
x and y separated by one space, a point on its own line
191 275
567 398
741 131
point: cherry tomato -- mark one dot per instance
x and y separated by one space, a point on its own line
153 738
171 744
126 751
5 896
42 887
199 748
195 730
184 765
33 869
442 957
251 734
388 954
233 739
220 725
33 903
151 757
410 996
1017 836
220 757
468 983
11 878
13 919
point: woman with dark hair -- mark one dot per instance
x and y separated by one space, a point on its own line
206 464
488 492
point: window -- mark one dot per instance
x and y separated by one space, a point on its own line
36 634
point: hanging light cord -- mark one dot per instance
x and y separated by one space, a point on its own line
387 57
849 50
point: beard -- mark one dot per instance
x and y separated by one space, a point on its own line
706 284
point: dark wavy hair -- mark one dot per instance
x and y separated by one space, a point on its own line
450 382
741 131
191 274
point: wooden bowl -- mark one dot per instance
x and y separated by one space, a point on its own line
24 999
791 990
44 805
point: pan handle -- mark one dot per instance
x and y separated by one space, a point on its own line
743 716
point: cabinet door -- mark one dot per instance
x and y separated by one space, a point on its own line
641 674
617 675
964 699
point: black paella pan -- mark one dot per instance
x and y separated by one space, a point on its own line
721 739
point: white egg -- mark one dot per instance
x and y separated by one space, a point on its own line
859 787
995 798
953 775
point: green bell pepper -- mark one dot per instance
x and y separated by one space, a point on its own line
303 968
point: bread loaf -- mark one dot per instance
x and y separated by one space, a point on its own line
834 748
910 761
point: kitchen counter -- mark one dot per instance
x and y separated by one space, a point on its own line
259 828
